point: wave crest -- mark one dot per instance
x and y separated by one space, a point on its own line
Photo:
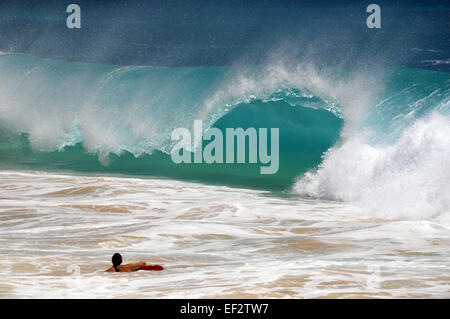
409 178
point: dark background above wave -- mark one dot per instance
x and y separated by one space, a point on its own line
188 32
305 134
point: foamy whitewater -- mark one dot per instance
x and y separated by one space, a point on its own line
58 233
359 208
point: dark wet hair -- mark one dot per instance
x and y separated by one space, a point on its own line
116 260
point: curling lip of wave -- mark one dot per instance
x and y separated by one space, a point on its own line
114 109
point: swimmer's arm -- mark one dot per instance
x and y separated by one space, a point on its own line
136 266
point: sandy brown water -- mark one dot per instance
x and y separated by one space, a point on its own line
58 232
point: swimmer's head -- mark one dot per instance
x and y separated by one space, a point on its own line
116 259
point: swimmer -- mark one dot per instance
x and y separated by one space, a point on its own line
117 267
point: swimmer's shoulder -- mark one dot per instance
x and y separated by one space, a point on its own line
122 268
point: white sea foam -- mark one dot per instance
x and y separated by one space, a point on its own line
436 62
214 241
407 179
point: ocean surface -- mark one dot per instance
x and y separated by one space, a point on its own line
360 205
59 232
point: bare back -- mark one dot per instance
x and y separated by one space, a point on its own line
127 267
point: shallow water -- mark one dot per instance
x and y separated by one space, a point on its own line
58 232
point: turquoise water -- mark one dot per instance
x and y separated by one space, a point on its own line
359 207
57 115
